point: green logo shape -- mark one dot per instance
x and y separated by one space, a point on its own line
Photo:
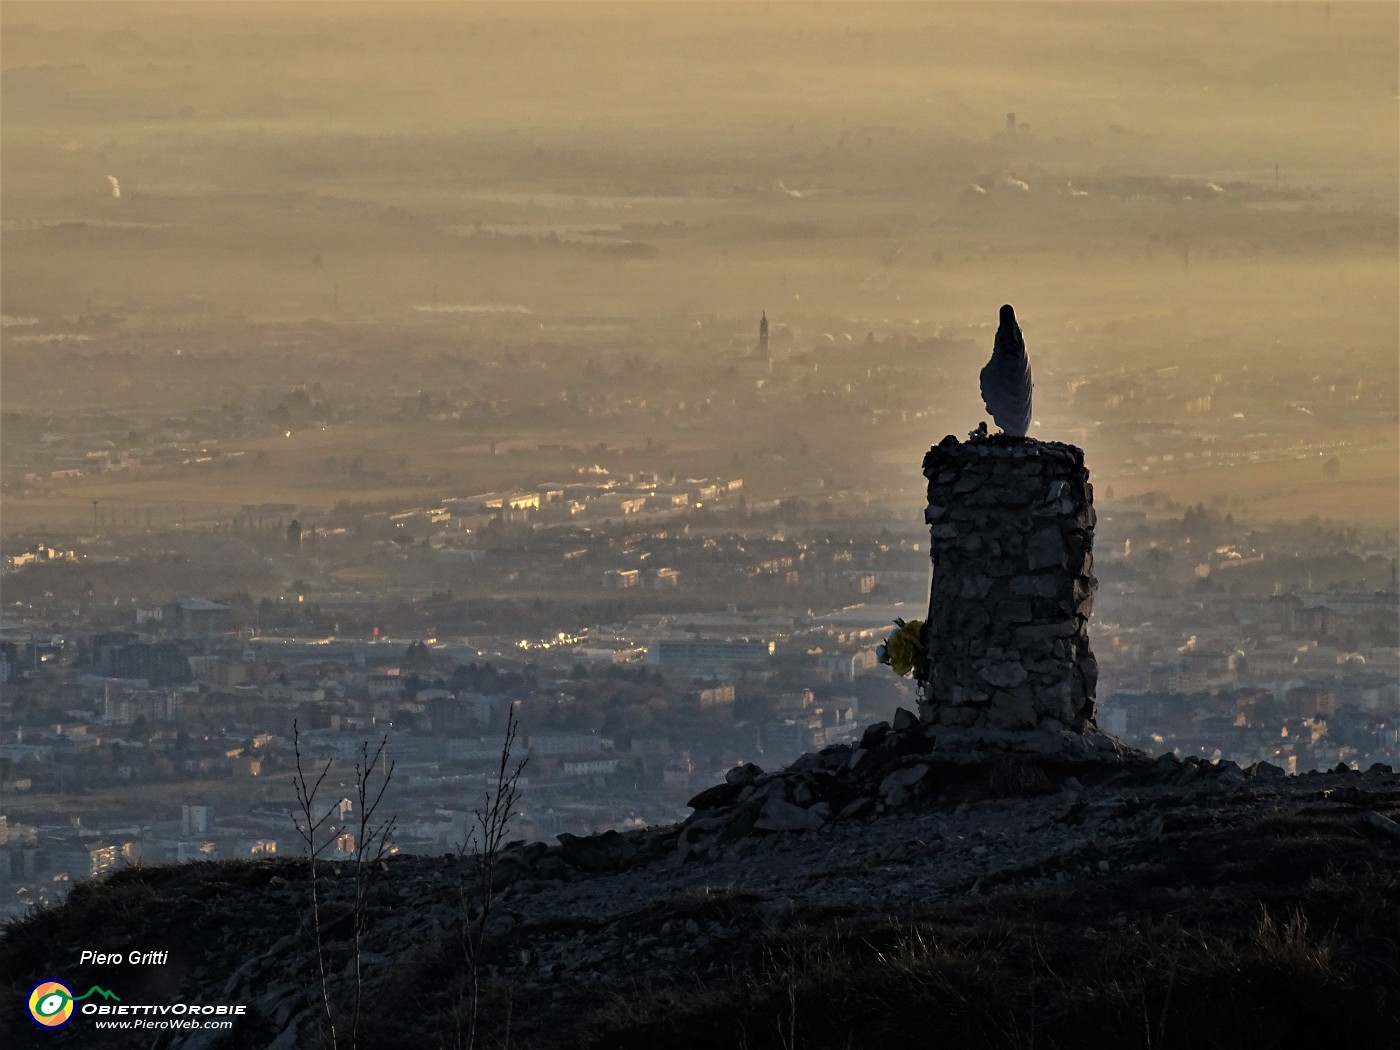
56 1000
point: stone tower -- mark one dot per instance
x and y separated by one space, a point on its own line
763 337
1011 524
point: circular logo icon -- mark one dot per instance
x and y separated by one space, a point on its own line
51 1004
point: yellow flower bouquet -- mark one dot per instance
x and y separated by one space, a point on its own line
904 650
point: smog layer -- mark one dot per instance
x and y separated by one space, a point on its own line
435 232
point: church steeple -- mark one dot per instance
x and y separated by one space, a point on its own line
763 335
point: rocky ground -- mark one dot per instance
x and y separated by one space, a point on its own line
997 896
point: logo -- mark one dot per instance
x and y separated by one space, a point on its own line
51 1002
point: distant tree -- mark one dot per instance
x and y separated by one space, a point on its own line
477 678
416 656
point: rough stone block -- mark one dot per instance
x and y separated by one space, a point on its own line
1038 632
975 621
903 779
1046 548
904 720
778 815
1088 666
962 717
745 774
716 796
873 734
1012 710
1004 675
976 587
1053 697
1039 586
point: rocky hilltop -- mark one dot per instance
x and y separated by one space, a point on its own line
845 901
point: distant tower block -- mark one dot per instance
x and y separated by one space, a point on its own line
763 335
294 536
1011 125
1012 531
194 820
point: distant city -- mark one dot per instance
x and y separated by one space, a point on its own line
649 633
386 377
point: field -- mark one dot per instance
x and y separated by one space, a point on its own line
1286 490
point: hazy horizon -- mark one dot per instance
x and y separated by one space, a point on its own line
1200 187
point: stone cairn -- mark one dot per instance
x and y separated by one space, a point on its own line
1011 524
1008 680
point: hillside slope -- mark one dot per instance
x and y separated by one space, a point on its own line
1139 904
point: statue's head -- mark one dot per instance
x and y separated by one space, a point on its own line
1008 315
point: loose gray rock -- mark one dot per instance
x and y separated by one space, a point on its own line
778 815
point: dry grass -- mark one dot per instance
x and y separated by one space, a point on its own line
1284 930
